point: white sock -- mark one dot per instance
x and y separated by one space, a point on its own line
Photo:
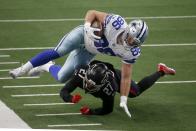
47 66
27 66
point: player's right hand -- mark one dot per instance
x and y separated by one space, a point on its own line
85 110
76 98
124 106
90 31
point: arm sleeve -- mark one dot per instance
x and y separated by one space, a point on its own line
107 107
69 87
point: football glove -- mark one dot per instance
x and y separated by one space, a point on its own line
85 110
123 104
76 98
90 31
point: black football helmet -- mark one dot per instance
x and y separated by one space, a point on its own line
96 77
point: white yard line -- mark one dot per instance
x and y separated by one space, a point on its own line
56 94
175 82
3 70
60 85
69 125
41 20
59 114
82 19
10 78
5 63
48 104
162 17
165 45
145 45
29 95
1 56
26 48
28 86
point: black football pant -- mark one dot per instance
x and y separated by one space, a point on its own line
137 88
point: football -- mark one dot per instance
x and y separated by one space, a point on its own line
97 24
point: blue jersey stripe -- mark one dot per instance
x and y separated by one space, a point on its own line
107 20
130 61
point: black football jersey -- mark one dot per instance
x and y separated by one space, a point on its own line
106 93
107 90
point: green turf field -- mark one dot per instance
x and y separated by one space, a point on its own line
165 107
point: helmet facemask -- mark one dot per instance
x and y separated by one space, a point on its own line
138 31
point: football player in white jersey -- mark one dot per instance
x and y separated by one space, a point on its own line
117 39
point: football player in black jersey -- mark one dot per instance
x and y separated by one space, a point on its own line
102 81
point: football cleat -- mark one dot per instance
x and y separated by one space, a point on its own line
165 69
17 72
40 69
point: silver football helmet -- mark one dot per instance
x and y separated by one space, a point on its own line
138 30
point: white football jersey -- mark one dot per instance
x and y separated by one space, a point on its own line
113 26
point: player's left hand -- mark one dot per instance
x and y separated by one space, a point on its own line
85 110
76 98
